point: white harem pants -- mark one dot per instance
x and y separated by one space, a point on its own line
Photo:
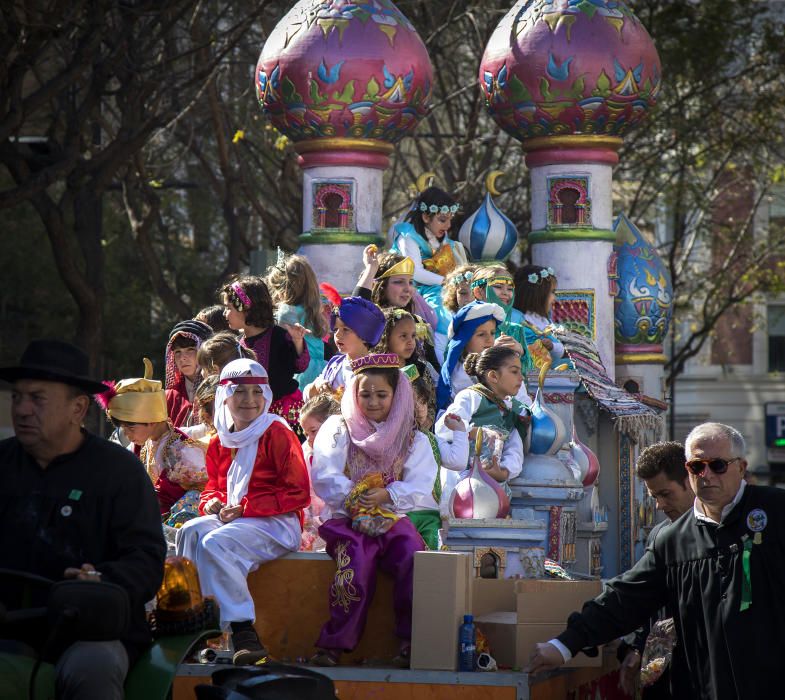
225 554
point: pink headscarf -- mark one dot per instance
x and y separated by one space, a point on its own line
384 448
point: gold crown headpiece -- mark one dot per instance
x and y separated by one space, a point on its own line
405 267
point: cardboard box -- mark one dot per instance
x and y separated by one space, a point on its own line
490 595
513 643
551 600
534 600
442 596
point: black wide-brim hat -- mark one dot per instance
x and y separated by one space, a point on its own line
54 361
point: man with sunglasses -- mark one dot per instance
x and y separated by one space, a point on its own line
720 569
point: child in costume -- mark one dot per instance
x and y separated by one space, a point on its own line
387 280
495 285
203 429
219 350
174 462
357 325
313 414
423 237
473 329
452 454
400 337
295 292
457 288
490 403
371 466
182 369
280 350
253 503
534 296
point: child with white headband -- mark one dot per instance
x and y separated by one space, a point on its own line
253 502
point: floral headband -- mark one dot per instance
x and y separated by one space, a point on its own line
398 314
498 279
460 278
241 301
544 274
435 209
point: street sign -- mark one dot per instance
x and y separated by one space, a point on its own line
775 425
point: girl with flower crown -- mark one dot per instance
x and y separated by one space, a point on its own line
371 466
535 294
422 236
252 505
457 289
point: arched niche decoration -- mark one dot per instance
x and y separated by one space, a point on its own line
333 208
569 203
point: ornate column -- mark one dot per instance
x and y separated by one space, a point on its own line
345 82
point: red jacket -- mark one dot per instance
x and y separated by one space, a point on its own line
279 483
177 404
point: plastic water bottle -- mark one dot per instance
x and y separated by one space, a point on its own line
467 642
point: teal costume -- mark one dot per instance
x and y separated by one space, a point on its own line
495 414
432 293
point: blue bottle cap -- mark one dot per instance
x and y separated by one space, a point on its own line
468 618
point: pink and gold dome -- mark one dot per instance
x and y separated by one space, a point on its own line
354 73
565 67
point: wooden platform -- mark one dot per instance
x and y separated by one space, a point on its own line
291 596
361 683
391 684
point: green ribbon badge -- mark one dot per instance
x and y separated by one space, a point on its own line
746 581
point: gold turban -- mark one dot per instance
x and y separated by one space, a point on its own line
139 400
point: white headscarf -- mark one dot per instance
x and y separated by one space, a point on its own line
244 441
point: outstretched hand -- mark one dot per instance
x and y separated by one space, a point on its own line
297 333
546 657
371 256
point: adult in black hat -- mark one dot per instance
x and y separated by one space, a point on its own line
76 506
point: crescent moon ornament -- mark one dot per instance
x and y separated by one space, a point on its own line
490 182
425 181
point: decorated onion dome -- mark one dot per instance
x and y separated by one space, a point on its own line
478 495
643 294
586 460
488 234
547 431
563 67
343 69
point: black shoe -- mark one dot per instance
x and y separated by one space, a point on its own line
327 658
403 660
248 649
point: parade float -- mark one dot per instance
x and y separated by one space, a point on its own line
345 81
